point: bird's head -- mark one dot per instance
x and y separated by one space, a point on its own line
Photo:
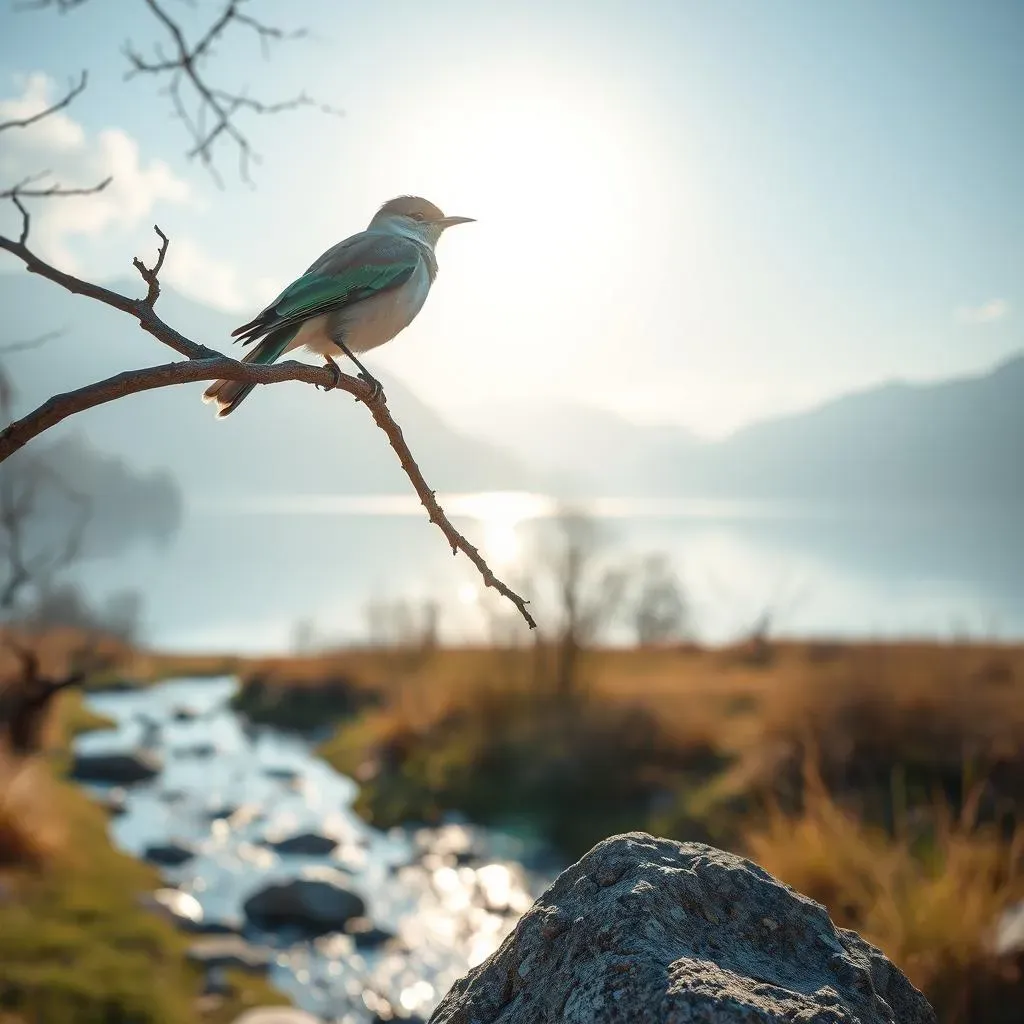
415 218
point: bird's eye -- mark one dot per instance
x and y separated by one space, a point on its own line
417 216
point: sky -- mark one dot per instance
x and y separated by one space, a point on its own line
693 212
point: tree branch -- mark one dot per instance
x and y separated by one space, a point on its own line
215 108
202 363
64 101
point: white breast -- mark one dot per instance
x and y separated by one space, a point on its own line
377 320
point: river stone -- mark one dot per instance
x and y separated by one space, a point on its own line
318 902
121 767
312 843
645 929
232 952
168 854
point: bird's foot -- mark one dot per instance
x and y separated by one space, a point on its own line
377 390
335 371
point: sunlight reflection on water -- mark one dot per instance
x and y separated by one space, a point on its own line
448 895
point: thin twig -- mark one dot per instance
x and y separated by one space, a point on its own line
64 101
214 116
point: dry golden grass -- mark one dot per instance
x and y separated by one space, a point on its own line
30 832
928 896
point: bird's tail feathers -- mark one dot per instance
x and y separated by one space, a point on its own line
229 394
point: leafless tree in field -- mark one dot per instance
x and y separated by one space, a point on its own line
214 118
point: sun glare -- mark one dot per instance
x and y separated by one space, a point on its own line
501 515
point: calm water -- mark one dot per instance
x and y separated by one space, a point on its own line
446 914
243 574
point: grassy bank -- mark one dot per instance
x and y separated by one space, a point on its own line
885 780
75 944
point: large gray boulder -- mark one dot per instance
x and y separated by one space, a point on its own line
649 930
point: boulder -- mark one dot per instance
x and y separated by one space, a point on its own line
645 929
121 767
317 902
230 952
168 854
310 843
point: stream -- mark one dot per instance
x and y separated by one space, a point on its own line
438 900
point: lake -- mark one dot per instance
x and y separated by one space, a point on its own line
244 572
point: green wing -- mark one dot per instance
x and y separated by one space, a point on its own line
358 268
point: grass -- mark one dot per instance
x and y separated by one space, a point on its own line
928 895
884 780
75 945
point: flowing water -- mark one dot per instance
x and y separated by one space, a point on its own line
448 895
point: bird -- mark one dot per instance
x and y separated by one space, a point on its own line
358 295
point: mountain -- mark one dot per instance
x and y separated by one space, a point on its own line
286 439
958 441
587 450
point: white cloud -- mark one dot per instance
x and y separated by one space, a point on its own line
59 145
987 313
80 234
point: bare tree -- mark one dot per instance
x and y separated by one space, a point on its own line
658 607
570 567
200 363
31 559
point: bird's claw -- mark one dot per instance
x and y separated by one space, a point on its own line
335 371
377 391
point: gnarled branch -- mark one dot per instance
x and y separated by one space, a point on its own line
203 363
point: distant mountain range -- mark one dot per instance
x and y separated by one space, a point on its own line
959 441
954 442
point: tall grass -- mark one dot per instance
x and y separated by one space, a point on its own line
929 895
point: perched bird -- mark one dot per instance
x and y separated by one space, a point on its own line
356 296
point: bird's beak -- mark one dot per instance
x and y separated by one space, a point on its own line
447 222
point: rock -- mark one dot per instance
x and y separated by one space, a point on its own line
276 1015
183 713
312 843
178 907
122 767
173 796
282 773
230 952
645 929
366 934
318 902
168 854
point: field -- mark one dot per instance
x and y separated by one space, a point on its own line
885 780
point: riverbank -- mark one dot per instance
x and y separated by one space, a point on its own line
77 942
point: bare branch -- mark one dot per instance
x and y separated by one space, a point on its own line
200 364
64 101
215 108
54 191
